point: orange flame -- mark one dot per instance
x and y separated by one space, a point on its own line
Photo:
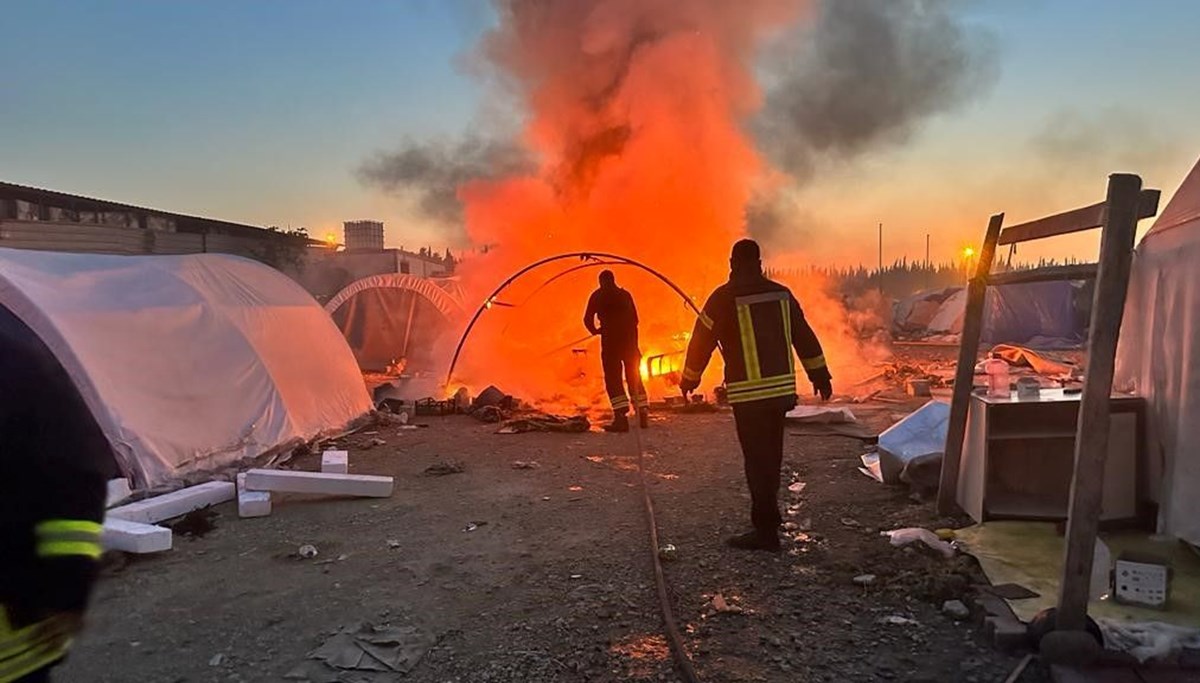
636 112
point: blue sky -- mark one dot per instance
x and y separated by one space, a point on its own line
259 111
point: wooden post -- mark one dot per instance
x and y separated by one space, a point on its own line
964 374
1091 438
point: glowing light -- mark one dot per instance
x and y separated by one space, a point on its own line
331 239
968 252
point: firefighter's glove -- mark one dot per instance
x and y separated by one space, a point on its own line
823 387
687 386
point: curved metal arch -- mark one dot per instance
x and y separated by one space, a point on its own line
582 255
446 303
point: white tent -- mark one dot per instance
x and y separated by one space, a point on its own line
187 362
1159 357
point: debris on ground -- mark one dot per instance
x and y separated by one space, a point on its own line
915 445
546 423
668 553
820 415
870 466
897 620
902 537
307 551
525 465
195 524
445 467
719 605
864 579
956 609
374 653
1019 356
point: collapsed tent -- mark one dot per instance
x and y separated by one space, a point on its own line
1036 314
395 318
1159 357
187 363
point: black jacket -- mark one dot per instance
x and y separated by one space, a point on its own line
618 328
758 324
54 467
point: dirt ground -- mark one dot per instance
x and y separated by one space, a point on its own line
545 574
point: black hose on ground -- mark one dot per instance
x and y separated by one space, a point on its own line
674 640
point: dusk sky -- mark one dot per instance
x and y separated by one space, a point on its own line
260 112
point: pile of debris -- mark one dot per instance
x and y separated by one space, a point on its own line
137 527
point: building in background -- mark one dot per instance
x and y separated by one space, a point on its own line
45 220
327 270
363 235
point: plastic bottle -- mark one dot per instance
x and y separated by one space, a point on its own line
997 372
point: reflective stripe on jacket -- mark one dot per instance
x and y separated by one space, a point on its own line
28 649
758 324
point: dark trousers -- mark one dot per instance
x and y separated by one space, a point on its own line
623 366
39 676
760 432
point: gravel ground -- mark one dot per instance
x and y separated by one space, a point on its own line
545 574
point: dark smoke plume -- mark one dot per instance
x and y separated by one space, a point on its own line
432 172
866 74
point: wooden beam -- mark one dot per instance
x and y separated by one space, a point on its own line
965 373
1087 218
1083 271
1091 438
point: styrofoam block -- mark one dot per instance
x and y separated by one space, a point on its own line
118 491
254 503
134 537
336 462
176 503
327 483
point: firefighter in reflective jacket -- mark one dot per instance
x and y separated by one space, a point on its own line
619 353
54 468
758 323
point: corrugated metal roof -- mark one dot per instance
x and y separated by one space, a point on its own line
183 222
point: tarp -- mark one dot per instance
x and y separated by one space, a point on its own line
1028 314
187 362
1159 356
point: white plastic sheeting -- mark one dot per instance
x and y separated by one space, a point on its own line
1159 356
187 362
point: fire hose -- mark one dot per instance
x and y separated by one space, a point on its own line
674 639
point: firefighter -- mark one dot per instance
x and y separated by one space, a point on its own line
757 323
619 353
54 467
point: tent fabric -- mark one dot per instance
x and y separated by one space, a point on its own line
394 316
1018 314
1159 357
188 363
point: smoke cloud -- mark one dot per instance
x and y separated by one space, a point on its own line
433 172
866 74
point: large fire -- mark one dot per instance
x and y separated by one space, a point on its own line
635 113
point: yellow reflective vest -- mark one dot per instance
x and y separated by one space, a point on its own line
758 324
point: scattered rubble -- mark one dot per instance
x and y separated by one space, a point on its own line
864 579
307 551
441 469
546 423
955 609
525 465
373 653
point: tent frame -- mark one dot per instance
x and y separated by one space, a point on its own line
1117 217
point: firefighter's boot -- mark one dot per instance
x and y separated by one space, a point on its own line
644 418
620 423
